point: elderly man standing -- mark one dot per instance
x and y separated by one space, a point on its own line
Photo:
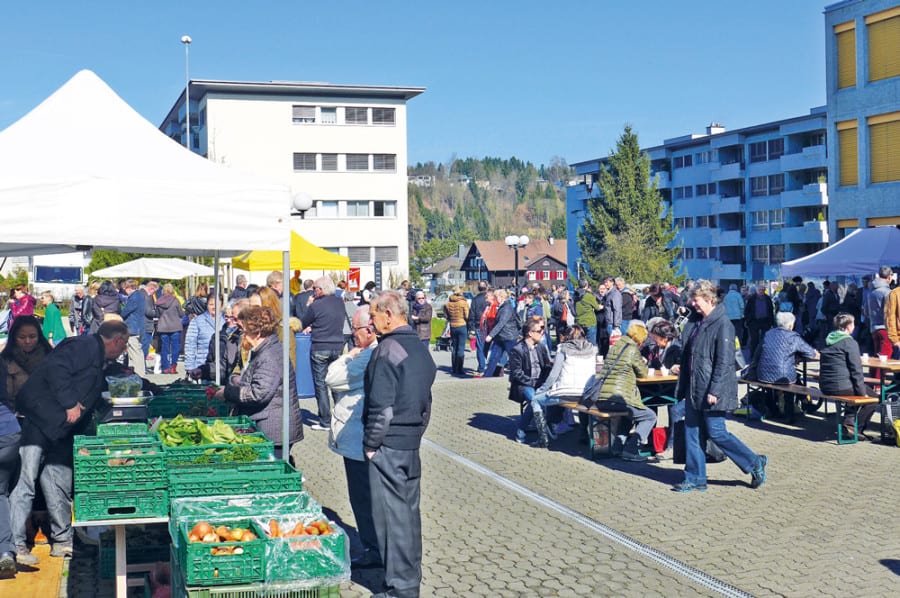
324 320
613 302
346 379
397 409
57 401
875 307
240 288
134 315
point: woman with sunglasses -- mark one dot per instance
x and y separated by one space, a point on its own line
421 318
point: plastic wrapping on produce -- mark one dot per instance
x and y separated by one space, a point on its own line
124 386
225 509
303 549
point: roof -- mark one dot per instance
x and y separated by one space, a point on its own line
201 87
497 256
448 263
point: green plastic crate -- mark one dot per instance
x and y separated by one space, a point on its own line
139 465
124 429
144 544
214 453
170 406
200 566
127 504
234 479
255 590
317 559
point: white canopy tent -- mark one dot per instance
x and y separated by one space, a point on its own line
84 170
861 252
169 268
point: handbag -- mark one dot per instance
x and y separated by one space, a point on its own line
592 392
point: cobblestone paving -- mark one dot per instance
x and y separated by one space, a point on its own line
823 524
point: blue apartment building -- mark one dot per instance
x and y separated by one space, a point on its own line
862 45
742 201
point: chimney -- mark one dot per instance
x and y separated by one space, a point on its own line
714 129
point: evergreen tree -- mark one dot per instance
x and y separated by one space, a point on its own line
623 233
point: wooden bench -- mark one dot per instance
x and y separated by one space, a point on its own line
840 402
595 416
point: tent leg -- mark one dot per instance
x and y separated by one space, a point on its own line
219 318
286 361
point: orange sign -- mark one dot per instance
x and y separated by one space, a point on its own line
353 280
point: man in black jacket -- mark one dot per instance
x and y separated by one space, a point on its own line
57 401
476 310
397 409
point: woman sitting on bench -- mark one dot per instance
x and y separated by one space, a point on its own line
841 374
573 369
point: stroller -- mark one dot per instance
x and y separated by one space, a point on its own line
442 343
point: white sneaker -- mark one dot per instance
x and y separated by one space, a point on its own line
520 436
319 427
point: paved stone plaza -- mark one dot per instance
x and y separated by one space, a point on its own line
503 519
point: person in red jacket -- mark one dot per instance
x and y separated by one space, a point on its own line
22 304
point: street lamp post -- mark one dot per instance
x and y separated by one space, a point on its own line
186 40
515 242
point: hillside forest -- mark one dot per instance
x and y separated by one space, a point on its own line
471 199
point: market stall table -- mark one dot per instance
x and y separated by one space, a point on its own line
119 526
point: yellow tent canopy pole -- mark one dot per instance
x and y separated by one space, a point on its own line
304 256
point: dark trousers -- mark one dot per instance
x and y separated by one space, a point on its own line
319 362
394 481
757 329
361 501
739 332
862 413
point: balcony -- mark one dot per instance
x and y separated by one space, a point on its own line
725 238
815 194
809 232
723 172
722 271
663 179
695 237
725 205
810 157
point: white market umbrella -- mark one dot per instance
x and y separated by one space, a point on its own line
168 268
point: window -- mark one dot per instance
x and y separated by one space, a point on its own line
329 161
678 193
847 153
329 116
776 183
326 209
356 116
304 114
776 148
702 253
884 147
711 188
758 151
382 116
560 275
706 221
357 161
688 160
814 139
758 186
776 218
845 40
760 253
384 161
688 192
883 32
678 162
760 219
385 209
304 161
700 190
359 255
776 254
357 209
684 222
386 254
545 274
687 253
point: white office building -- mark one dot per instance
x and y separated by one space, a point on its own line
343 145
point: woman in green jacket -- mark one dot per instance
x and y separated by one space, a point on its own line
52 328
622 367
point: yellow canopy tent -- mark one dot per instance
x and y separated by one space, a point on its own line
304 256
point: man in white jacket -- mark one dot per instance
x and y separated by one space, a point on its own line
345 378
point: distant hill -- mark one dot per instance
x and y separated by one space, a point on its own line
484 199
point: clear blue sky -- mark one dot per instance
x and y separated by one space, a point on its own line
529 78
